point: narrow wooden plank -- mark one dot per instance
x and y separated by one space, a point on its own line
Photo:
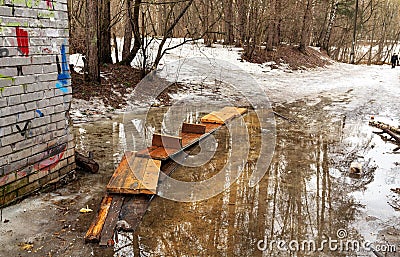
211 127
224 115
162 153
133 210
189 139
119 176
120 173
193 128
107 233
145 152
139 177
167 141
150 179
94 231
135 175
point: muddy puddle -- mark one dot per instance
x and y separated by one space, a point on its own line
306 199
307 204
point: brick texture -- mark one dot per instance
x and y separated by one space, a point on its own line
36 146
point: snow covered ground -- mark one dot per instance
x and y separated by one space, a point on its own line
281 85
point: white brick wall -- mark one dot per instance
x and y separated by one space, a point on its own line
33 125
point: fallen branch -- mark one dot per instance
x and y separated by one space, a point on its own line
396 190
393 137
384 126
283 117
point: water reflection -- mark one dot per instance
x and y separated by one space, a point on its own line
306 194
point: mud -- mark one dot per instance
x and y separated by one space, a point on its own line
306 194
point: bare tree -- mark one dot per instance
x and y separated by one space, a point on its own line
134 19
92 44
306 27
128 31
229 36
105 31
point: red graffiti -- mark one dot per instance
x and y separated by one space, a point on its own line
49 4
3 180
54 155
23 41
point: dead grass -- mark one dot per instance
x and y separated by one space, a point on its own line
291 56
115 78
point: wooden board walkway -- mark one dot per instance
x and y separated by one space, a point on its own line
135 175
164 147
135 181
224 115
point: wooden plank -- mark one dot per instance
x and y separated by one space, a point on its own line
94 231
151 175
135 175
193 128
120 173
119 176
189 139
146 152
211 127
167 141
107 234
133 210
160 153
224 115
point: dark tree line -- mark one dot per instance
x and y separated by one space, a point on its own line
359 31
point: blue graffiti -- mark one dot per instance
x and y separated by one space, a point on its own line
63 72
40 113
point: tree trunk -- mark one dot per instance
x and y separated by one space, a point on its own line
128 32
242 20
134 19
271 26
305 30
332 18
168 33
92 58
105 31
278 23
229 38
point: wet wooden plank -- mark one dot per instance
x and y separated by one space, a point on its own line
224 115
190 138
131 173
193 128
151 175
146 152
94 231
107 233
133 210
135 207
120 174
167 141
187 139
211 127
159 153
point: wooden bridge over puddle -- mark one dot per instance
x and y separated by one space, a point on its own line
135 181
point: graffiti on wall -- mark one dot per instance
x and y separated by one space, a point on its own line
63 71
52 157
25 130
23 41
